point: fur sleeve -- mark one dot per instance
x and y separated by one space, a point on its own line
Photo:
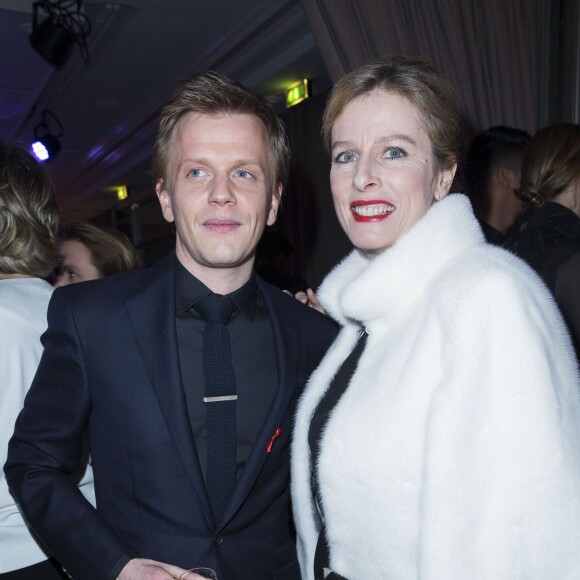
501 493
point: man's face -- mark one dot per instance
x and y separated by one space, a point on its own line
218 192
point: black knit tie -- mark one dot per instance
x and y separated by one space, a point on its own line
220 400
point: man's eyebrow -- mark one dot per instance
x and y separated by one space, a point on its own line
205 161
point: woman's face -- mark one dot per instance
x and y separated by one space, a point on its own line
382 175
77 265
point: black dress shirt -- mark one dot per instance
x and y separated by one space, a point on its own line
329 400
253 357
326 405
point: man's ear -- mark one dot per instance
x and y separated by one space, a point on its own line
507 177
164 198
275 203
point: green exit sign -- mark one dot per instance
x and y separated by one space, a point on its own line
297 92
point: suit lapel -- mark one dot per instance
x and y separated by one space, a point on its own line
152 315
286 338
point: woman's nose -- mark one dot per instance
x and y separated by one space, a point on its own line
364 177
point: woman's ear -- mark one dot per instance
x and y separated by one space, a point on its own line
444 181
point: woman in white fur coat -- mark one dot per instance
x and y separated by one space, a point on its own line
439 439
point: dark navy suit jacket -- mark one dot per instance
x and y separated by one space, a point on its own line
110 368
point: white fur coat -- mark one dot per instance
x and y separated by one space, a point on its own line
455 452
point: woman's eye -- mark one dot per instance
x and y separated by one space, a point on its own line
394 153
345 157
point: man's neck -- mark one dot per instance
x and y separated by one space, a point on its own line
503 209
219 280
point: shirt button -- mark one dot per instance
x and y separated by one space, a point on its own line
217 541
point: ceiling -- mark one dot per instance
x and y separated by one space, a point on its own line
138 49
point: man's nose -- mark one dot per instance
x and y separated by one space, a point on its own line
221 190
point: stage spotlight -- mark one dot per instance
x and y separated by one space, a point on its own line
46 144
64 25
52 42
46 147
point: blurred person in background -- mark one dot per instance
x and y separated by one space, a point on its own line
550 239
272 260
493 169
28 252
89 253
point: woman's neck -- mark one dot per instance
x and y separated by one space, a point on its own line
570 198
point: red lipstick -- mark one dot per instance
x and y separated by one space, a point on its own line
372 210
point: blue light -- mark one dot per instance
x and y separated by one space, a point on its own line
40 151
45 147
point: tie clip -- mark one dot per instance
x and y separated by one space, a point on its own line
220 399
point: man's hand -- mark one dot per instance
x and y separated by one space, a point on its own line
141 569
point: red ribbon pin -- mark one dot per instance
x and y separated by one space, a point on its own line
271 442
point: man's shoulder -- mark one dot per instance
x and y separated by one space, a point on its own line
309 319
120 287
107 296
104 289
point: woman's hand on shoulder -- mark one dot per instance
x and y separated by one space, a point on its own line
308 298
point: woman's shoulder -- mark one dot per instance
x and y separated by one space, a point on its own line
488 263
25 300
490 296
494 278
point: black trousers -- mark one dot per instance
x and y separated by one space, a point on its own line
46 570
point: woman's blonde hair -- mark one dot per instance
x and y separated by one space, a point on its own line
551 163
111 250
417 81
28 215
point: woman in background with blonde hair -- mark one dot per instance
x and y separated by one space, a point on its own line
28 253
550 239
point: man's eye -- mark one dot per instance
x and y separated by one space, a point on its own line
244 174
197 172
345 157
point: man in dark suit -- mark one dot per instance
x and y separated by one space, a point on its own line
124 362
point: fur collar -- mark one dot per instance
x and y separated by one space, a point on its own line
361 290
